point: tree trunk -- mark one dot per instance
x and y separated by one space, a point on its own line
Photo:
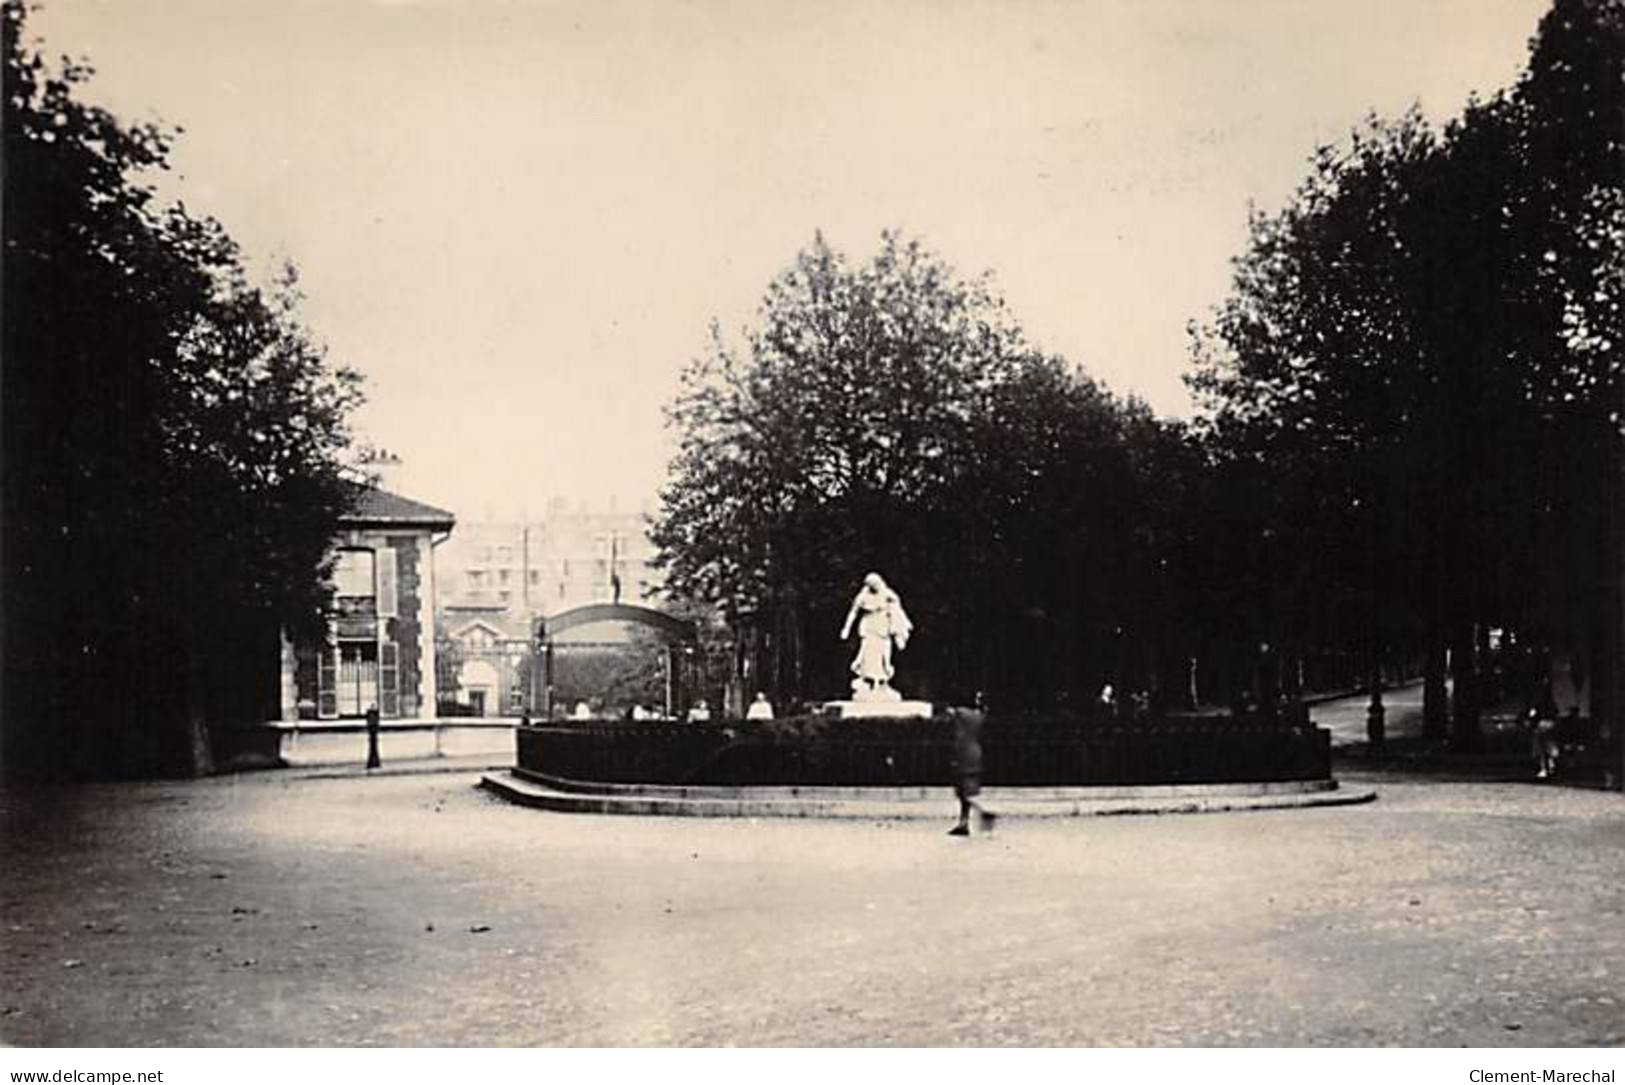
1435 697
1608 618
1269 680
199 753
1465 731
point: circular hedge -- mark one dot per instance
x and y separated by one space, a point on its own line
824 751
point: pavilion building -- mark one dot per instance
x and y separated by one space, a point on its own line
380 648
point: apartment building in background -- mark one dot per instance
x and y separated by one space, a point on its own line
498 578
572 555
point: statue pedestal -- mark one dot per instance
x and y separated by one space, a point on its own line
878 709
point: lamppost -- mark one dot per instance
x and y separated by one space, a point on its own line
372 738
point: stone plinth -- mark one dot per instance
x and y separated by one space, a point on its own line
878 709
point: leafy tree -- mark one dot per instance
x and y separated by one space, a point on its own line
1415 338
1309 370
805 453
1572 102
890 416
171 444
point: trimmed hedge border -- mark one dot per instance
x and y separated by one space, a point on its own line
818 750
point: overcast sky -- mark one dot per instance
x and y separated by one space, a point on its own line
517 219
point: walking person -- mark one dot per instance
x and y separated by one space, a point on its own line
968 769
1543 731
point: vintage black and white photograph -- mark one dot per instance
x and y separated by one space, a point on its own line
816 524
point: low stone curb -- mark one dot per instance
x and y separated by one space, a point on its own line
358 770
898 804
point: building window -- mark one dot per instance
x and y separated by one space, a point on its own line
353 574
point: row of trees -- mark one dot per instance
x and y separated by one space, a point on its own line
1410 411
1419 362
172 446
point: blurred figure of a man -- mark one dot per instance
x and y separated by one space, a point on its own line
968 768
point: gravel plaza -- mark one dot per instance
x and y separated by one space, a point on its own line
442 440
280 909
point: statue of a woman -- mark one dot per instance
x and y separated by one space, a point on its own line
881 623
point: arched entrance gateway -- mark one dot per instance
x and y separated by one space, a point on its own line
674 643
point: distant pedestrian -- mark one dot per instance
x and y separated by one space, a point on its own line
1543 733
968 769
1106 702
760 709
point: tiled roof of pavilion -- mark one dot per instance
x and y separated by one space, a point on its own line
373 506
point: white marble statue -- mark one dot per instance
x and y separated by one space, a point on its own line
882 625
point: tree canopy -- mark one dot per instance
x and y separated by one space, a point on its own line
891 416
172 445
1410 420
1419 361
